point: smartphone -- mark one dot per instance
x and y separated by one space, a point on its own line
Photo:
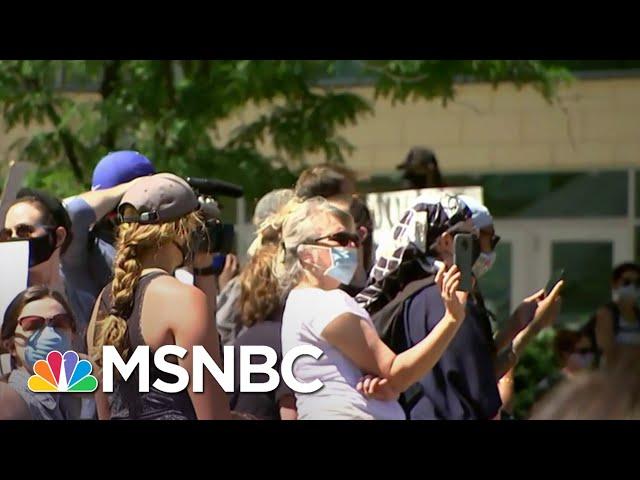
555 278
463 249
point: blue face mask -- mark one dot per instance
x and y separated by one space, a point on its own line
344 263
44 341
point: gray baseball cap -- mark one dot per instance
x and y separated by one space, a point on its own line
159 198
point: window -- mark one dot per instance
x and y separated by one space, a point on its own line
587 267
544 195
496 284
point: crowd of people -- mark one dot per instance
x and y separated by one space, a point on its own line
119 266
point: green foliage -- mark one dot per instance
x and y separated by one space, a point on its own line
537 363
172 111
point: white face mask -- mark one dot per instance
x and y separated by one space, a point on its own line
344 262
483 263
627 292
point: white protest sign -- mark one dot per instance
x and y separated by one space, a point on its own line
14 258
387 207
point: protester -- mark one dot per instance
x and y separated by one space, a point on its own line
574 355
36 322
93 217
613 394
317 254
420 169
333 182
338 185
228 315
617 323
260 309
146 305
463 383
41 219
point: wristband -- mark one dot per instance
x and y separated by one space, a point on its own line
204 272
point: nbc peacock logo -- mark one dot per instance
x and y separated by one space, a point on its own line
62 373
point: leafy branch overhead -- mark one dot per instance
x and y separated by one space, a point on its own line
253 122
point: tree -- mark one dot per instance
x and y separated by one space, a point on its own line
172 111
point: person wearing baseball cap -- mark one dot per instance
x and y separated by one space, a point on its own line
420 169
145 305
463 384
90 258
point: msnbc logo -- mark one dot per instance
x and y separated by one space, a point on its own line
62 373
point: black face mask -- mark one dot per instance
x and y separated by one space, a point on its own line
41 248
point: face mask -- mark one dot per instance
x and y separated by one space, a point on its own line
581 360
44 341
40 249
344 262
483 263
627 292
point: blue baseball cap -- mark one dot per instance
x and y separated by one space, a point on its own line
120 167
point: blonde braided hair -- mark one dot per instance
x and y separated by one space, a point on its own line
134 241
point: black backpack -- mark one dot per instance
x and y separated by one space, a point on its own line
389 322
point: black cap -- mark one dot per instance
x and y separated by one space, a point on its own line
417 158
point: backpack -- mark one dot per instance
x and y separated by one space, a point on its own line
389 322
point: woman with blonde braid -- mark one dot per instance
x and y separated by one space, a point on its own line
146 305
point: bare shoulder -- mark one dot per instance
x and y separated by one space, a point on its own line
173 302
170 291
12 406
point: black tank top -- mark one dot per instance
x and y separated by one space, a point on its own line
126 402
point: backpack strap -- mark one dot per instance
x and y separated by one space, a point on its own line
384 317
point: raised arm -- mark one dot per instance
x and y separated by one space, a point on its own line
358 340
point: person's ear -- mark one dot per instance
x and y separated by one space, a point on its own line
305 255
61 236
363 233
446 242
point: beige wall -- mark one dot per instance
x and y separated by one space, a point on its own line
597 125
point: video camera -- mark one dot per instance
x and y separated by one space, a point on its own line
214 237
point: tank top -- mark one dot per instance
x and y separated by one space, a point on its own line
126 402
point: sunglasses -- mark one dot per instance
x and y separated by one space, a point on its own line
344 239
495 239
22 231
36 322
